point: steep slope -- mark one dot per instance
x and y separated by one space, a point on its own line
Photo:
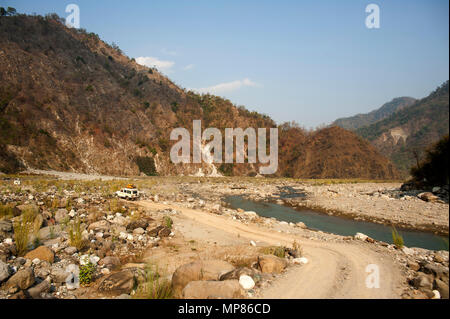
360 120
412 129
70 102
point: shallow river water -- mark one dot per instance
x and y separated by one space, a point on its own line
338 225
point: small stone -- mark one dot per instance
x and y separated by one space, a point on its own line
70 250
300 261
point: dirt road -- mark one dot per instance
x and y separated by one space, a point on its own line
335 270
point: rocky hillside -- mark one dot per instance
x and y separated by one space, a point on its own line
387 109
332 153
71 102
404 135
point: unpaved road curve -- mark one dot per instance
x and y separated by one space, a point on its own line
335 270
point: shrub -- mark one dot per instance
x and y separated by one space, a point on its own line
168 222
397 238
146 165
155 287
433 170
6 211
278 251
87 273
22 230
75 235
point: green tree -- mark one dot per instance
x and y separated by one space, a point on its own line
433 170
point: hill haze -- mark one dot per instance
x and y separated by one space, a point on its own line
360 120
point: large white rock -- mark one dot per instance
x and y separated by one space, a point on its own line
437 295
300 261
246 282
361 236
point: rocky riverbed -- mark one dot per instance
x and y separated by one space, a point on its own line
81 242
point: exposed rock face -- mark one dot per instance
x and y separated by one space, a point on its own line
198 270
226 289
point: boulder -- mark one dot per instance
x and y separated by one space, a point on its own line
36 291
138 231
442 287
23 279
436 270
413 265
428 197
6 227
423 282
59 275
19 295
140 223
271 264
41 253
101 225
26 207
154 231
198 270
121 282
164 232
60 215
226 289
4 271
238 272
110 262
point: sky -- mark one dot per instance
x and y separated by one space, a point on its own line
305 61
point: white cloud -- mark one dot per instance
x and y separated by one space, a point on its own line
188 67
227 86
151 62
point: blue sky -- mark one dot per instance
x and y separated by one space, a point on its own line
308 61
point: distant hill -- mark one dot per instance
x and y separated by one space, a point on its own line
412 129
71 102
331 152
360 120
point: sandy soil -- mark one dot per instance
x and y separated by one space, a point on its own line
335 270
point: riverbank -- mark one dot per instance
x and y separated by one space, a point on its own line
382 203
